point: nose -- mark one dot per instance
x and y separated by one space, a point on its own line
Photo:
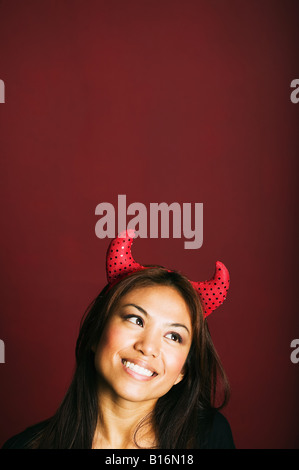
149 343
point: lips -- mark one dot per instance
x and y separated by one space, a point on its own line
138 368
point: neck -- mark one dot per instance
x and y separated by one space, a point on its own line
118 420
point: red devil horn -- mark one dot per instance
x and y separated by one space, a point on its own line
120 262
212 293
119 259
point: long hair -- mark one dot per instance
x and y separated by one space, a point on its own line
181 417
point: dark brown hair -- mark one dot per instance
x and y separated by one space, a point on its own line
181 417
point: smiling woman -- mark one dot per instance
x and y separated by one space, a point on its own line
147 371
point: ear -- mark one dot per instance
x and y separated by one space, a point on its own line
180 377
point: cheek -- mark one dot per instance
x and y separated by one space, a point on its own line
176 361
113 340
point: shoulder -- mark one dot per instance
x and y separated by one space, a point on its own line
21 440
219 434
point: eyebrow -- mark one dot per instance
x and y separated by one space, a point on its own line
146 314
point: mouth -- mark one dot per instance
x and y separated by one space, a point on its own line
138 369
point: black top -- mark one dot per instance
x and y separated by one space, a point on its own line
218 437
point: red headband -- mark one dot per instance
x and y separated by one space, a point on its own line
120 262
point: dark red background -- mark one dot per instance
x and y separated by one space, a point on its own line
174 101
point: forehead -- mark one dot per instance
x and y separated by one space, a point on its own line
163 302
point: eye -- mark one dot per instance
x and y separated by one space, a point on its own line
134 319
174 337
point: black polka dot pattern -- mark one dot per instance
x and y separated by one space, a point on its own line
119 263
119 260
212 293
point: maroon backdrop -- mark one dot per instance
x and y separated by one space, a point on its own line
164 101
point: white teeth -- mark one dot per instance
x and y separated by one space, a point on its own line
138 369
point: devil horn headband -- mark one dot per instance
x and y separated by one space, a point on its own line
120 262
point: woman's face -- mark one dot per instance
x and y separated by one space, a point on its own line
145 344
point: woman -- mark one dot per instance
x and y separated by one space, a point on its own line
146 368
